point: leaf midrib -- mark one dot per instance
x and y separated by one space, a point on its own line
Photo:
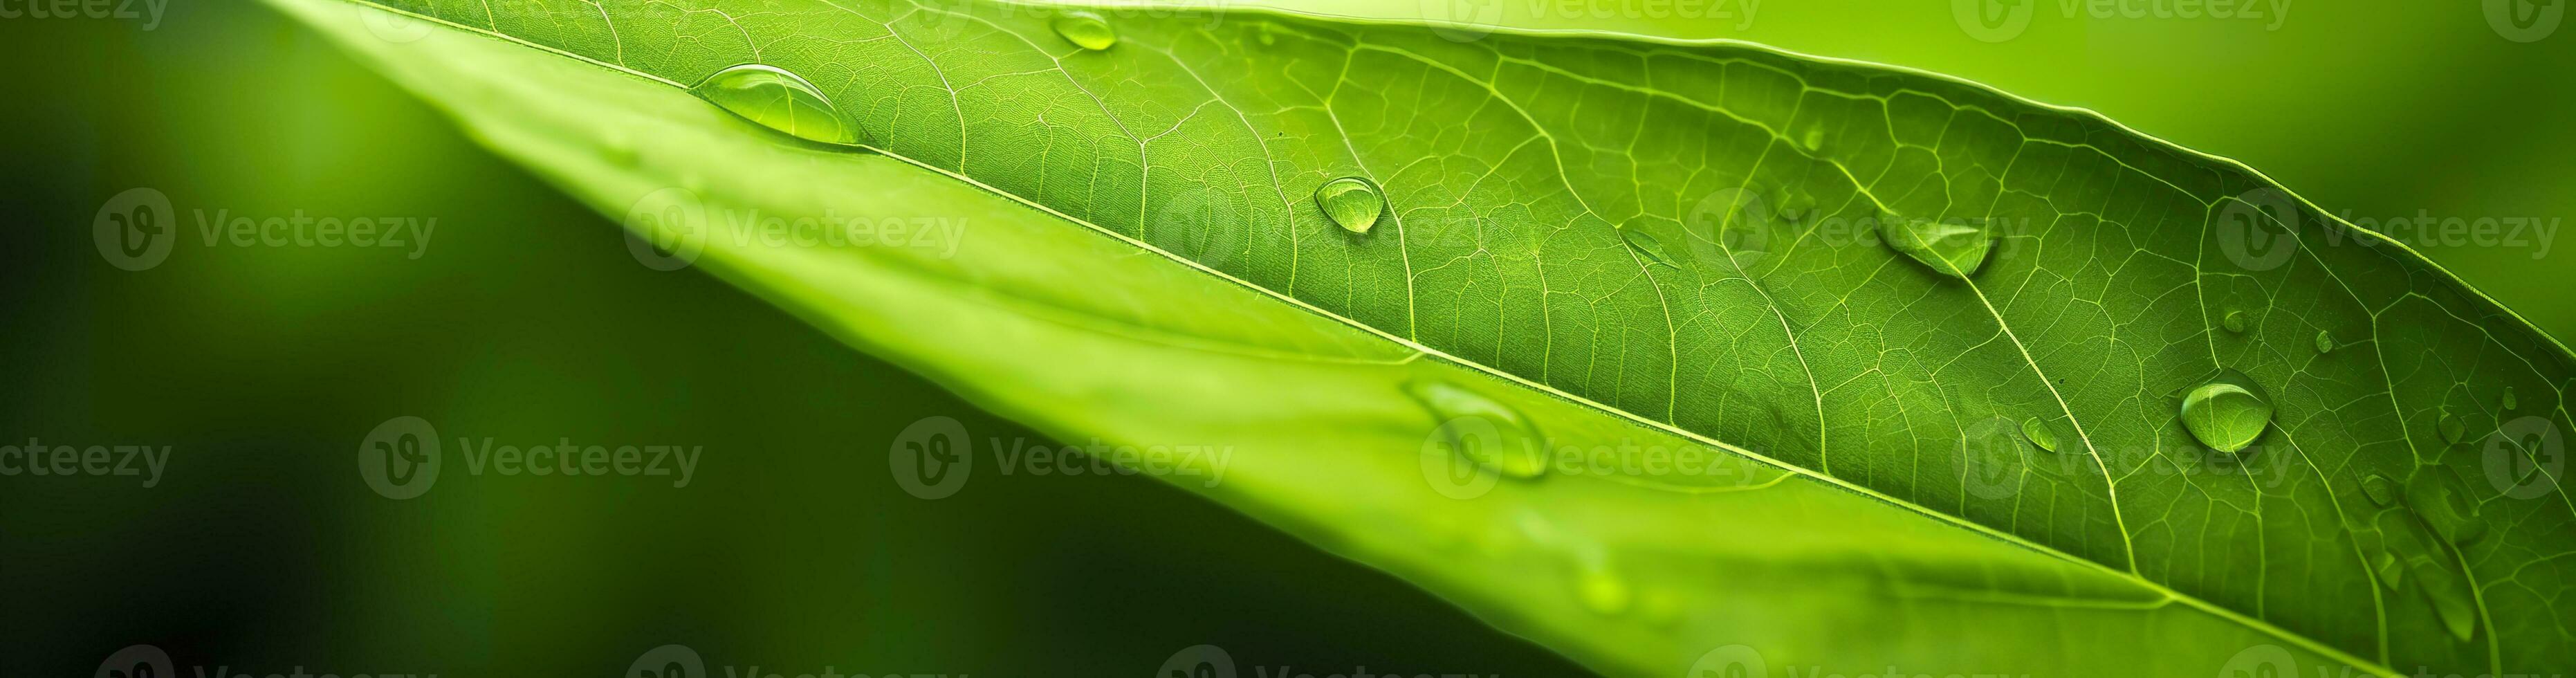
2167 593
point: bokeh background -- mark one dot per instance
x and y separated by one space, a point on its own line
526 321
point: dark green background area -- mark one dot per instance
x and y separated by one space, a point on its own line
527 321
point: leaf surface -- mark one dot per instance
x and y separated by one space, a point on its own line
1646 249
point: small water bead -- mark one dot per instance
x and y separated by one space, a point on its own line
2037 432
2235 322
1647 246
2438 496
777 99
1813 140
1515 447
1949 247
2227 413
1352 203
2380 489
2510 403
2453 428
2325 342
1086 30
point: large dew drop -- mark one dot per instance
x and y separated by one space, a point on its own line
1352 203
1086 30
1949 248
778 100
1485 431
2227 413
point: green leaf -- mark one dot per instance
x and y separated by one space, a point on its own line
1775 439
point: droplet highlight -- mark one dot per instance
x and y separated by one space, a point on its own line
2037 433
2234 322
1602 591
2227 413
1949 247
1352 203
2510 403
777 99
1484 430
1086 30
2325 342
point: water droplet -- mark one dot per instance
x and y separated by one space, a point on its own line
2403 537
1950 248
2511 403
2453 428
1646 246
1352 203
1814 138
2227 413
1492 435
1268 39
1086 30
2380 489
2235 322
2438 496
2325 342
1602 591
778 100
2038 434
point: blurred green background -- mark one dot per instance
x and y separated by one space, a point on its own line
525 320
